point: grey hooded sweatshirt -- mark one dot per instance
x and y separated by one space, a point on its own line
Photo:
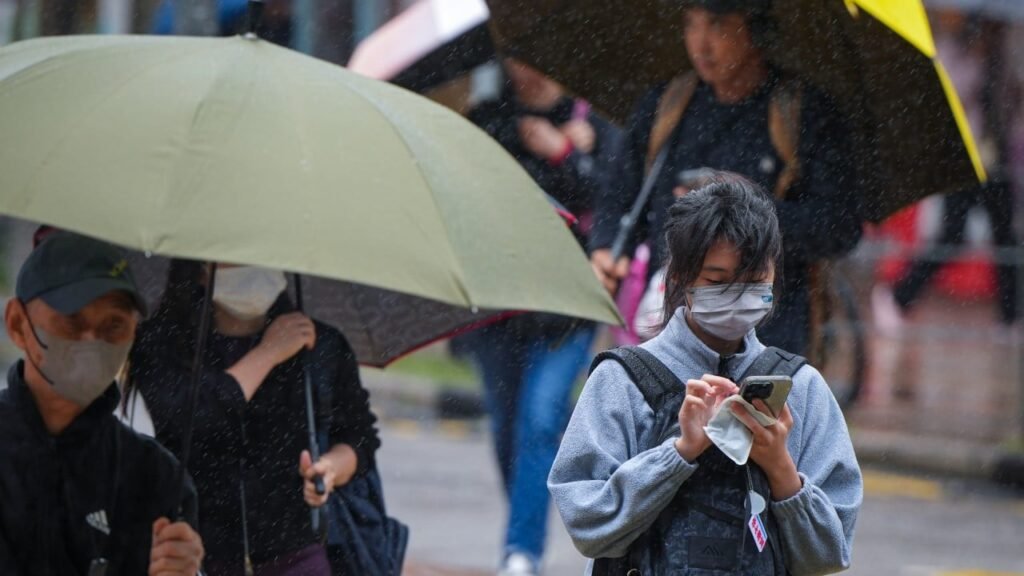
612 478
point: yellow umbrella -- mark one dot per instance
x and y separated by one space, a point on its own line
908 19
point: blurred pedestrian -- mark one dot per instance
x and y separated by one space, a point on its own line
969 56
638 481
250 446
80 493
530 363
737 112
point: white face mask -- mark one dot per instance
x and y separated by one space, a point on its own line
246 292
729 313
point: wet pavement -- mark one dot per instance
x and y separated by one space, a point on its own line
441 480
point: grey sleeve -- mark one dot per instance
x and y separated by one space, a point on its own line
816 525
607 485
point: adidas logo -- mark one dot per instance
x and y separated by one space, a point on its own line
712 550
98 520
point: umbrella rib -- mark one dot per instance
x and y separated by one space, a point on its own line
459 278
170 200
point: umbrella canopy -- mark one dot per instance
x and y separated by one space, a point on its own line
430 42
876 58
236 150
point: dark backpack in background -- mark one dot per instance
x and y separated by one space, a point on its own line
703 530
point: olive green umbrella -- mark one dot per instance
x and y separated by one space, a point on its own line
876 58
236 150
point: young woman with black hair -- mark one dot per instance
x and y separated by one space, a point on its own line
651 487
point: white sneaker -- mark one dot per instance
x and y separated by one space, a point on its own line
518 564
887 314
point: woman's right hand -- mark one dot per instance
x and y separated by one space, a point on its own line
703 398
285 336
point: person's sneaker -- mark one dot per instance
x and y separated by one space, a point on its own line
887 314
518 564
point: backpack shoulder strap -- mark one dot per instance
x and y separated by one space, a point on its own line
650 376
775 362
657 384
671 106
784 130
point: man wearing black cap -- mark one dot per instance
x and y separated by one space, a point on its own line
79 492
737 112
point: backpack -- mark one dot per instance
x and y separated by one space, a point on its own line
709 515
784 131
361 539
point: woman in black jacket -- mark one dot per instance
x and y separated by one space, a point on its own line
250 458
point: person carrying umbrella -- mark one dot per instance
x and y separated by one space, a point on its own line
80 493
530 362
252 467
737 112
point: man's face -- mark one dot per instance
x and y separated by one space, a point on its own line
719 45
112 318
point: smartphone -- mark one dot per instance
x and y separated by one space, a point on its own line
774 390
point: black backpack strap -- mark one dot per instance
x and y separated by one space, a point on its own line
651 377
775 362
658 385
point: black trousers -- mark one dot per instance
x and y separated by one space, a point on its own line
997 199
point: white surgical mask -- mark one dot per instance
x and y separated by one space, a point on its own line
729 313
79 370
246 292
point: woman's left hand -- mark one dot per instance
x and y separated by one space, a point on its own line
309 470
541 138
336 468
769 450
581 134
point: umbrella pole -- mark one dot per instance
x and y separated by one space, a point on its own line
205 317
307 380
628 222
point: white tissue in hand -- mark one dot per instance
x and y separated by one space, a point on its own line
730 434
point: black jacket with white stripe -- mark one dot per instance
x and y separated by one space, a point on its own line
92 491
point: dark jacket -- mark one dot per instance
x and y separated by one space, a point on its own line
54 490
575 182
259 441
821 216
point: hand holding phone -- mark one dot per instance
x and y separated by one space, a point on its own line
773 390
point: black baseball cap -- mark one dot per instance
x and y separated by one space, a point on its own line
68 271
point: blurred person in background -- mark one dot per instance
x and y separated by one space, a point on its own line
736 112
973 59
530 363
